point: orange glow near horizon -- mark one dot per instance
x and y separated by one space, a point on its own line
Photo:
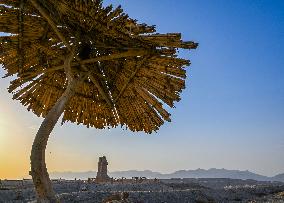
13 167
14 163
14 148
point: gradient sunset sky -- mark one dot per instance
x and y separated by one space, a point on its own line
231 114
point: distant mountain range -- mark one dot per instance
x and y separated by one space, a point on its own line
198 173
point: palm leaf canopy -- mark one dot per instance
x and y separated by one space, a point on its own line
129 70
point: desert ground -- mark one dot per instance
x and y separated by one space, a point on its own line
150 191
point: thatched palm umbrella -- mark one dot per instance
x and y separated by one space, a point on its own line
94 65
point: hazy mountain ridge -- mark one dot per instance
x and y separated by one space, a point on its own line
198 173
279 177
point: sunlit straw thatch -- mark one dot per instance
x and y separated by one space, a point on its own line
129 70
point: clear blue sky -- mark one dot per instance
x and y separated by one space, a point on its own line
231 114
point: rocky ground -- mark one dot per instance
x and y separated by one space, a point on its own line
164 191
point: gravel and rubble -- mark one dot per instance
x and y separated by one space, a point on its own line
164 191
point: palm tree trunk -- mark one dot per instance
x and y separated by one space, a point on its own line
39 172
42 183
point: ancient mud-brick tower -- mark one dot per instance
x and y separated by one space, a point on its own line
102 170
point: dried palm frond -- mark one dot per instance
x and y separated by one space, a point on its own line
130 69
